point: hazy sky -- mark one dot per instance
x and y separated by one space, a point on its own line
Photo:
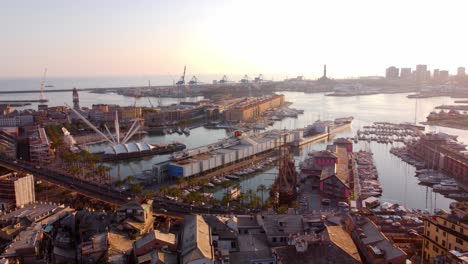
149 37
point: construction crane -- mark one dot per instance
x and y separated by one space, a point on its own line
149 87
245 79
182 78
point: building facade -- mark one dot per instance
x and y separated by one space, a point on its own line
252 108
444 235
392 73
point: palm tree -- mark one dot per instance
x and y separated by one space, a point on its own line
181 181
136 188
261 188
130 179
164 189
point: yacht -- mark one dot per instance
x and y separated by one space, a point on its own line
446 186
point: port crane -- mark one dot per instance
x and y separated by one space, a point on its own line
194 81
245 79
259 79
224 80
182 78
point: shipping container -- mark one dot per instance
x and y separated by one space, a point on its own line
250 151
205 165
187 169
212 161
219 161
196 167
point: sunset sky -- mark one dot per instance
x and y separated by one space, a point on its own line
151 37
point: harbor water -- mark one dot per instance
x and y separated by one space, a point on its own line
397 178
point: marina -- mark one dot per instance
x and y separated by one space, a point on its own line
373 108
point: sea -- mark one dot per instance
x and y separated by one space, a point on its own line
397 178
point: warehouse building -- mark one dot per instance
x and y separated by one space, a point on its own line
252 108
194 162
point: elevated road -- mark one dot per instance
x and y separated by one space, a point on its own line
103 193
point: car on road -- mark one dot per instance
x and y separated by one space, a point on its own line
326 201
343 204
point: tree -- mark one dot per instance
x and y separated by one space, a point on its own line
261 188
174 192
148 194
282 209
226 199
194 197
181 181
164 190
75 170
136 188
129 179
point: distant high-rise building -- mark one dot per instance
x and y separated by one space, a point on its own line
421 73
435 75
443 76
405 73
76 99
392 73
461 72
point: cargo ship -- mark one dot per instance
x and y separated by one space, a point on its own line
322 129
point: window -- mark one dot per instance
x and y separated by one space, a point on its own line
461 230
445 222
444 234
443 243
437 229
459 241
450 246
453 226
274 240
428 233
437 239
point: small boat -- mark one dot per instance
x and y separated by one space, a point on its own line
458 196
169 131
186 131
179 131
210 185
446 186
233 177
